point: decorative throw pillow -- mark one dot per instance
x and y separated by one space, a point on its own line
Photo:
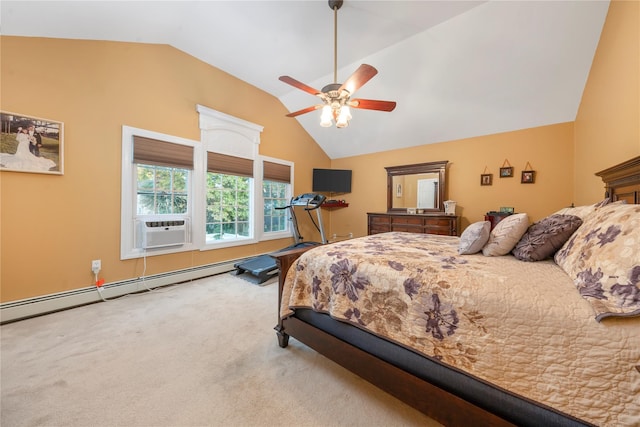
603 259
545 237
474 237
506 234
582 211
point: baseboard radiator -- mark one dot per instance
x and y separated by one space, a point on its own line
30 307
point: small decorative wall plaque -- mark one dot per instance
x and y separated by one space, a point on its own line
506 171
486 178
528 175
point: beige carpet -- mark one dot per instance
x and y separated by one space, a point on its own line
202 353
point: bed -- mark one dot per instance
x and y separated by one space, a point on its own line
486 340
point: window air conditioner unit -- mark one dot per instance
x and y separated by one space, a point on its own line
159 234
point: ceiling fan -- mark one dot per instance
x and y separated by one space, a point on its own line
336 97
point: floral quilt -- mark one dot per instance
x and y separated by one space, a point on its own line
603 259
519 325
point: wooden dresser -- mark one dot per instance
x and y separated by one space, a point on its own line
431 223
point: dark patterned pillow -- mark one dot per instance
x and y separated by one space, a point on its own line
603 259
543 238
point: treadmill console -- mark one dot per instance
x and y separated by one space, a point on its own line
308 200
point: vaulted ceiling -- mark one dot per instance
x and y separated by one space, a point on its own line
456 69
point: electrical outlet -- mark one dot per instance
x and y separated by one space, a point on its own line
96 265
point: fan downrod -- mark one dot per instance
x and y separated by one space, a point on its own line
335 4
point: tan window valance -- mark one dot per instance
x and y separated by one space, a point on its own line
277 172
151 151
230 165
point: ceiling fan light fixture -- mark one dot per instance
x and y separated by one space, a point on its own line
326 117
341 125
343 117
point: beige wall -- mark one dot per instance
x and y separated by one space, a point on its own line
607 127
565 156
548 149
53 226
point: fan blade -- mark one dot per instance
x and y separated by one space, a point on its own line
363 74
304 111
372 104
295 83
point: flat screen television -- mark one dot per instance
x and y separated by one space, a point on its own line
331 181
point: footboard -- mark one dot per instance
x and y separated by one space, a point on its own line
423 396
284 259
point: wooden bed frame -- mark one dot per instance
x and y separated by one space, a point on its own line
622 182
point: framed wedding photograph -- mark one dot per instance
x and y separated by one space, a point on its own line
31 144
506 172
528 177
486 179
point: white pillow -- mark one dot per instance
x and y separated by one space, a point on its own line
474 237
506 234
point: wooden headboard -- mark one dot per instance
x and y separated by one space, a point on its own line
622 182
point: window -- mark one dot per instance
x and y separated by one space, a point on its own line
276 192
213 184
275 195
229 198
228 207
157 183
162 176
161 190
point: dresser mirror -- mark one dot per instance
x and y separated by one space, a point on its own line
419 186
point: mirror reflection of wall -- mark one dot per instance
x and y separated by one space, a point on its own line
420 186
428 193
416 190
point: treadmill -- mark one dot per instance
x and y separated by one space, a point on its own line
264 267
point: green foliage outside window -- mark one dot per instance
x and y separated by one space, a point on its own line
228 206
161 190
274 195
164 190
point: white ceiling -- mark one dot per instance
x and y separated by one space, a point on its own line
457 69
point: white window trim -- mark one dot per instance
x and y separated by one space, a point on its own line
200 216
274 234
225 134
128 218
220 133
